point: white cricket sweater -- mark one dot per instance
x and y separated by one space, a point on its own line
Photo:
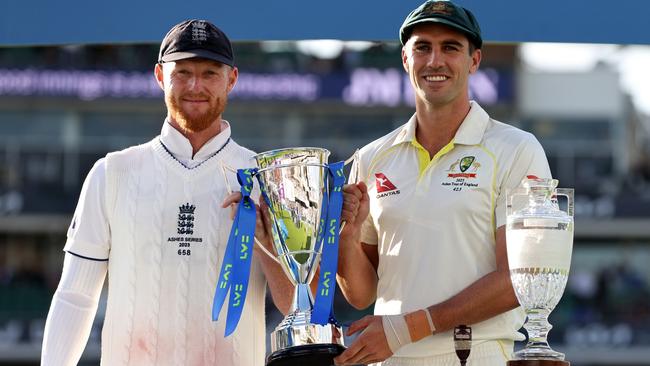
168 235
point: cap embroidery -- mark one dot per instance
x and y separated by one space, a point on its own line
439 7
199 33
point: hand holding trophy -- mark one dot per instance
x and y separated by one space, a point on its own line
540 240
303 199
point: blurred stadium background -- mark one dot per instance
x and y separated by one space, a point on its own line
64 107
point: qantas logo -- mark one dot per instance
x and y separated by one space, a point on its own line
384 186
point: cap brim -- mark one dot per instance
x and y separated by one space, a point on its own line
177 56
470 35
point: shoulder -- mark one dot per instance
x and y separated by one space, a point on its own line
382 144
241 150
238 156
502 136
132 151
516 149
97 173
129 154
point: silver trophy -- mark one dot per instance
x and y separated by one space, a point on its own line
294 184
539 240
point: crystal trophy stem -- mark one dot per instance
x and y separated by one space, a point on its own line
538 327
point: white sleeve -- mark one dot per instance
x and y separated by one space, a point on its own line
89 233
530 160
369 232
358 172
72 311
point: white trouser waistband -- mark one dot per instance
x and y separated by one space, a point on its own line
489 353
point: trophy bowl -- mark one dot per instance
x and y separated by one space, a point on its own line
294 184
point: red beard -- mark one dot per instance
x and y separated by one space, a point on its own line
195 123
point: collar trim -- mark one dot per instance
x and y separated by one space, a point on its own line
199 164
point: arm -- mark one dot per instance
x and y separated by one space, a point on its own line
72 311
489 296
279 284
74 303
493 293
358 261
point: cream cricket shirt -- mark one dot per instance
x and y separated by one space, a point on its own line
435 220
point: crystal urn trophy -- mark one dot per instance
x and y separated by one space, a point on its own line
539 241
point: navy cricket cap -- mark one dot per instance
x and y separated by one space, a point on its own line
196 38
443 12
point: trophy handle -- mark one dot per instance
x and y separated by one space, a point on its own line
354 168
224 169
510 196
568 193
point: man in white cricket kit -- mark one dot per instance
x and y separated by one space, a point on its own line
425 238
150 217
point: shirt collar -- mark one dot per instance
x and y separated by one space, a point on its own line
407 134
473 128
181 148
470 132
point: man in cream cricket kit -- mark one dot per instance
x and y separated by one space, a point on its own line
150 216
425 237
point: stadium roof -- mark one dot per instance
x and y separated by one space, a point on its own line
44 22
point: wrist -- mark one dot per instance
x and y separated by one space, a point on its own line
396 331
264 250
350 234
420 324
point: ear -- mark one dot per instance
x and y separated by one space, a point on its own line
158 72
405 59
476 61
233 75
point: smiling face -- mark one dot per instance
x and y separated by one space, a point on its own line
439 61
196 91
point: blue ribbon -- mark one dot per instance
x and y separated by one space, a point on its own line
235 268
323 304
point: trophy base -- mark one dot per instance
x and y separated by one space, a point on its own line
309 354
294 335
537 363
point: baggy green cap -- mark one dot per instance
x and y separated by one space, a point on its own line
443 12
